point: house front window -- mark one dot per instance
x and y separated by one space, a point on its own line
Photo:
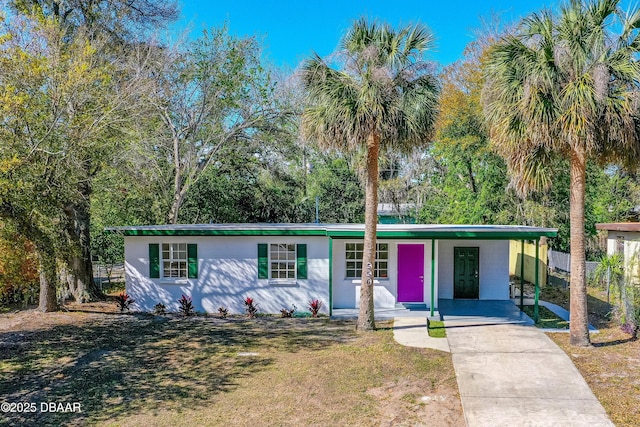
174 260
354 255
282 258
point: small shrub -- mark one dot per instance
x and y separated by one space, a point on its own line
124 301
159 308
186 305
288 312
314 306
250 307
223 311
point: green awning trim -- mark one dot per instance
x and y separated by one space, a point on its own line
487 235
443 235
342 231
146 232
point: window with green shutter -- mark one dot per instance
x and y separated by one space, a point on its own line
282 262
173 260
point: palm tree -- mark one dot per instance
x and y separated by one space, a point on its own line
564 85
381 94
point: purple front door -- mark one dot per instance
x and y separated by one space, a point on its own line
410 273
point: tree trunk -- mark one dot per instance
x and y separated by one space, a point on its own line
578 320
48 277
178 198
366 320
79 279
178 193
472 179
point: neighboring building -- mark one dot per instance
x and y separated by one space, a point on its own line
283 264
624 238
390 213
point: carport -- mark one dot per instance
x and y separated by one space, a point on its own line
430 263
482 312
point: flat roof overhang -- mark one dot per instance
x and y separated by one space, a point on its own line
222 230
442 231
344 231
619 226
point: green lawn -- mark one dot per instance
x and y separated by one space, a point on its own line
546 318
173 371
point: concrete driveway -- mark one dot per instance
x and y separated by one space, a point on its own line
511 374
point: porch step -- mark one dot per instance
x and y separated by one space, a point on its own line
411 305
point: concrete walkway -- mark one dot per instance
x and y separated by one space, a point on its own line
512 374
412 332
509 373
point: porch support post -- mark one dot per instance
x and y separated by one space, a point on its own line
535 306
521 274
433 280
330 276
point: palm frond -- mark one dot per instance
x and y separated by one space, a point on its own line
564 82
385 88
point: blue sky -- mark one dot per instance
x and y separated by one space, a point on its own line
292 30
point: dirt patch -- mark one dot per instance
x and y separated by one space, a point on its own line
72 313
410 402
611 367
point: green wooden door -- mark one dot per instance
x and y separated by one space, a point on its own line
466 282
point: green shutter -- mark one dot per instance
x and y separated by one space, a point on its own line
263 261
301 261
154 260
192 261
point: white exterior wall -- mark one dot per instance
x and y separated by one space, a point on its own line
227 273
494 267
631 250
346 292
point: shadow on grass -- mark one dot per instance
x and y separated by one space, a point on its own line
127 364
546 318
612 343
599 310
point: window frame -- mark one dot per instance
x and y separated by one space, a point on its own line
172 259
359 250
290 260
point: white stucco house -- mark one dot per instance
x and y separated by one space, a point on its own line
624 238
283 264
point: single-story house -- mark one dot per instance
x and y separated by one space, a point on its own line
624 238
283 264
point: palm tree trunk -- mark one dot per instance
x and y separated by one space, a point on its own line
578 321
366 320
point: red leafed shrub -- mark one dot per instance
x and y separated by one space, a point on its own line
250 307
124 301
314 306
186 305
